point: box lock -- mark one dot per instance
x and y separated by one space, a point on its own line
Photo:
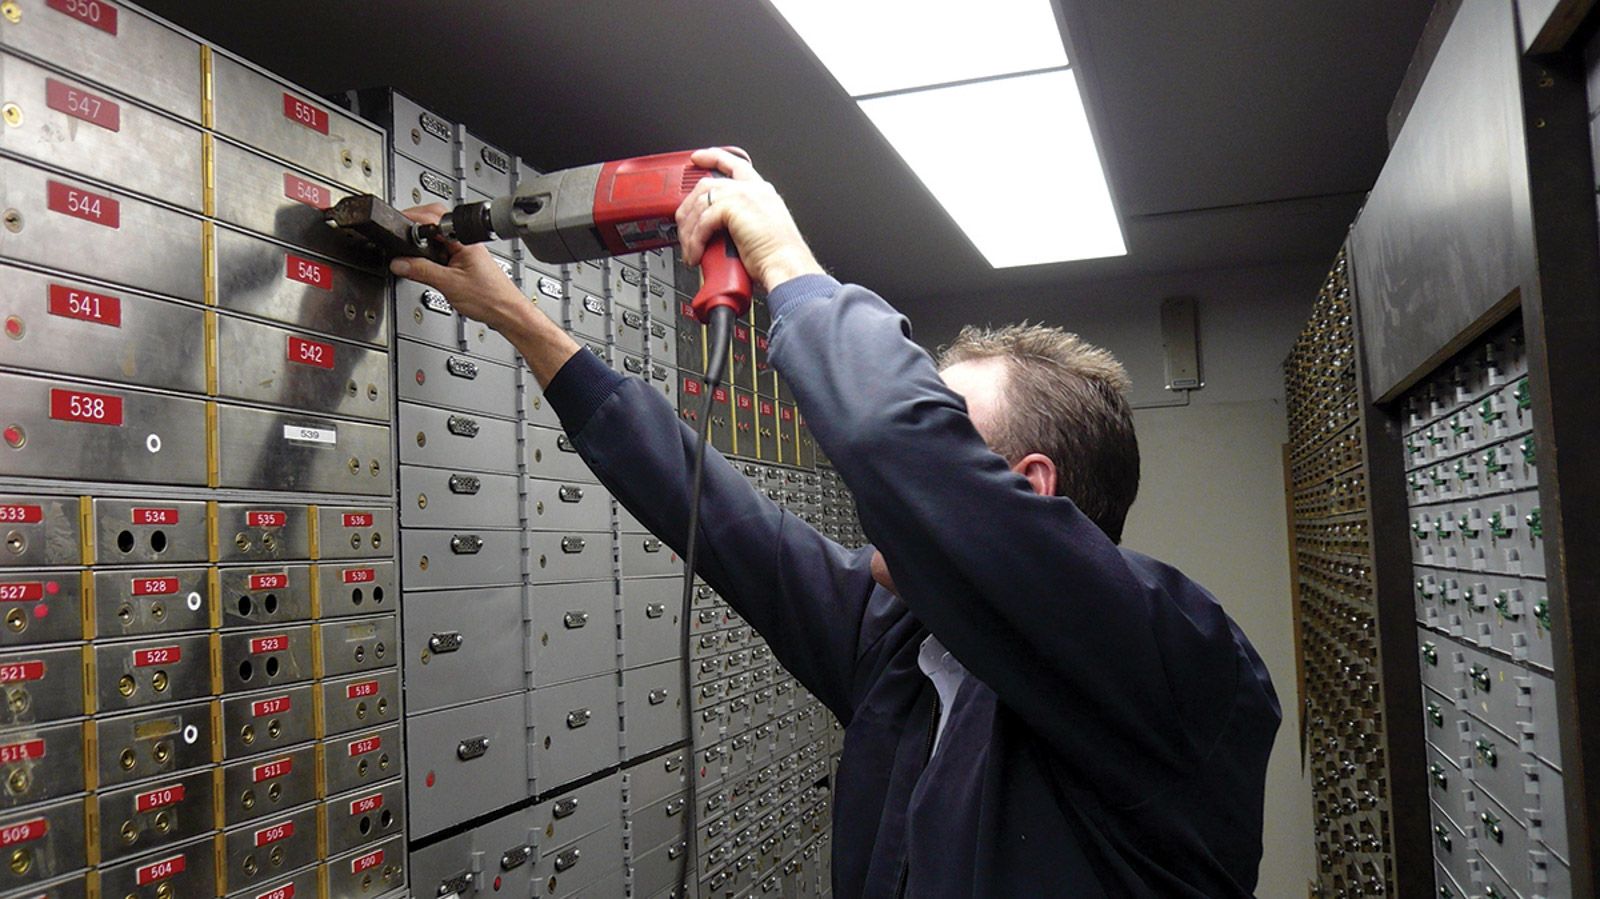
462 426
472 748
573 545
568 859
434 301
633 364
466 485
575 620
470 544
1479 674
657 696
446 641
655 610
1486 753
515 858
461 368
578 718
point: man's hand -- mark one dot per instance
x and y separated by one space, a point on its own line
750 210
478 289
473 284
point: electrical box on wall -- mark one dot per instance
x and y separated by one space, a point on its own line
1180 343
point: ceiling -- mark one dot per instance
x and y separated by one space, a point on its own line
1236 134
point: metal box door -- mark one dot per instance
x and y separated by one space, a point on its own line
462 646
466 761
576 731
573 631
458 559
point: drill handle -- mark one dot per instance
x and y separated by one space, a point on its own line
723 280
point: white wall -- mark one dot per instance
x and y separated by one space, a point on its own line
1211 497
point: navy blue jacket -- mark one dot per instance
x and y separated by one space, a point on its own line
1112 737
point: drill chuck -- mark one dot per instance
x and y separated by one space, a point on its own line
468 223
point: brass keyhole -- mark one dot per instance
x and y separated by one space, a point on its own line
19 782
126 685
16 621
127 759
248 799
21 861
159 681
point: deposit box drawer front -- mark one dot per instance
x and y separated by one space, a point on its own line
363 700
294 451
357 588
268 197
574 631
39 530
147 744
65 224
148 532
355 533
466 761
450 498
360 759
63 122
40 607
268 721
368 872
264 364
443 438
144 602
577 730
38 764
457 646
464 558
288 123
264 279
64 430
164 669
269 784
72 328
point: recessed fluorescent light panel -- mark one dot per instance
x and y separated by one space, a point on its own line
983 107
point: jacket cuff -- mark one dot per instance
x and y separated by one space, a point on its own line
578 389
796 292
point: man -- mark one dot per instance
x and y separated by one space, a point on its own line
1029 711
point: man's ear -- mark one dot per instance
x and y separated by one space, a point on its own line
1040 472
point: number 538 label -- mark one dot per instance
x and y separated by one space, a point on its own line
90 408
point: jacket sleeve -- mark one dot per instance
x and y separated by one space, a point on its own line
804 593
1113 663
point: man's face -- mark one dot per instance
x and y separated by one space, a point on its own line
979 382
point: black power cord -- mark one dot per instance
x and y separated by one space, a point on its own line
720 328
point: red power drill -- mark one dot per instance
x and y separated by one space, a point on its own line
600 210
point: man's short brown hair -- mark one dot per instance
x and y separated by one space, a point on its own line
1067 399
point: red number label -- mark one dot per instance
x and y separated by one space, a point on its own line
153 586
81 104
310 352
302 191
274 643
369 804
762 341
90 408
362 690
29 591
691 386
366 862
685 310
81 304
786 413
720 395
741 333
308 271
744 402
23 832
277 581
269 835
271 770
284 892
277 705
360 575
302 113
161 870
362 747
266 519
21 514
12 672
766 407
358 520
101 210
155 516
161 655
26 751
159 798
90 12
